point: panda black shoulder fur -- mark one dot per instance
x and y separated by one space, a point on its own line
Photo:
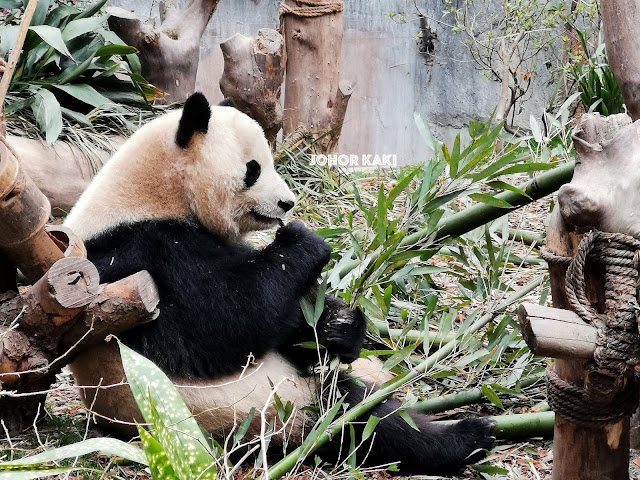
176 200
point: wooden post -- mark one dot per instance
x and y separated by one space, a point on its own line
315 99
620 19
601 195
253 76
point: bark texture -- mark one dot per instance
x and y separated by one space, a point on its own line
61 171
169 54
620 19
315 98
253 76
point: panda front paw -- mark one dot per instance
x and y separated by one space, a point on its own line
342 329
297 233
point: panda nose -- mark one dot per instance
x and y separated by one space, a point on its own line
286 206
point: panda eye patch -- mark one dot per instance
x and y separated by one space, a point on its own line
253 172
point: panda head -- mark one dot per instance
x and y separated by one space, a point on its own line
211 164
229 149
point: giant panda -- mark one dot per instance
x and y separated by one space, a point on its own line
176 200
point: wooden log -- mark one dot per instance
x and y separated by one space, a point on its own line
620 19
68 242
557 333
119 307
315 98
253 75
24 211
37 338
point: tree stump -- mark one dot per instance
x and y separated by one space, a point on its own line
253 76
315 98
170 54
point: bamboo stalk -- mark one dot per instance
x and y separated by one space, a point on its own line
528 237
413 336
524 425
289 461
477 215
17 50
460 399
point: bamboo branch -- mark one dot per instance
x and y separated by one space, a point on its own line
288 462
460 399
477 215
524 425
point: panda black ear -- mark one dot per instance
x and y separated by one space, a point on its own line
195 119
227 102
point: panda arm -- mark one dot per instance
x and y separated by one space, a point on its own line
218 302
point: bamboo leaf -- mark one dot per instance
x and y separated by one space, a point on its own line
351 459
53 37
476 129
490 200
427 136
372 422
48 114
492 396
109 50
499 185
407 418
490 469
526 168
535 129
401 186
244 426
398 357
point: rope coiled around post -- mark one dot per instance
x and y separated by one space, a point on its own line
312 8
611 390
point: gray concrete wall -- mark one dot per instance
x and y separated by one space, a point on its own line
392 78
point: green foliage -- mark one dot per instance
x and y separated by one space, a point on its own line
70 66
176 447
598 88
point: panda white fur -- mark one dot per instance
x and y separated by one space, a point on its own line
176 200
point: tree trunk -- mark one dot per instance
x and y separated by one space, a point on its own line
253 76
620 19
315 99
170 54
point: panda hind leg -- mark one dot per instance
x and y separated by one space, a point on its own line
438 448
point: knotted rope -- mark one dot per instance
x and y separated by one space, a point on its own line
610 392
312 8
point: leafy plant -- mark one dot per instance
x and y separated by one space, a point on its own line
174 448
70 65
598 88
